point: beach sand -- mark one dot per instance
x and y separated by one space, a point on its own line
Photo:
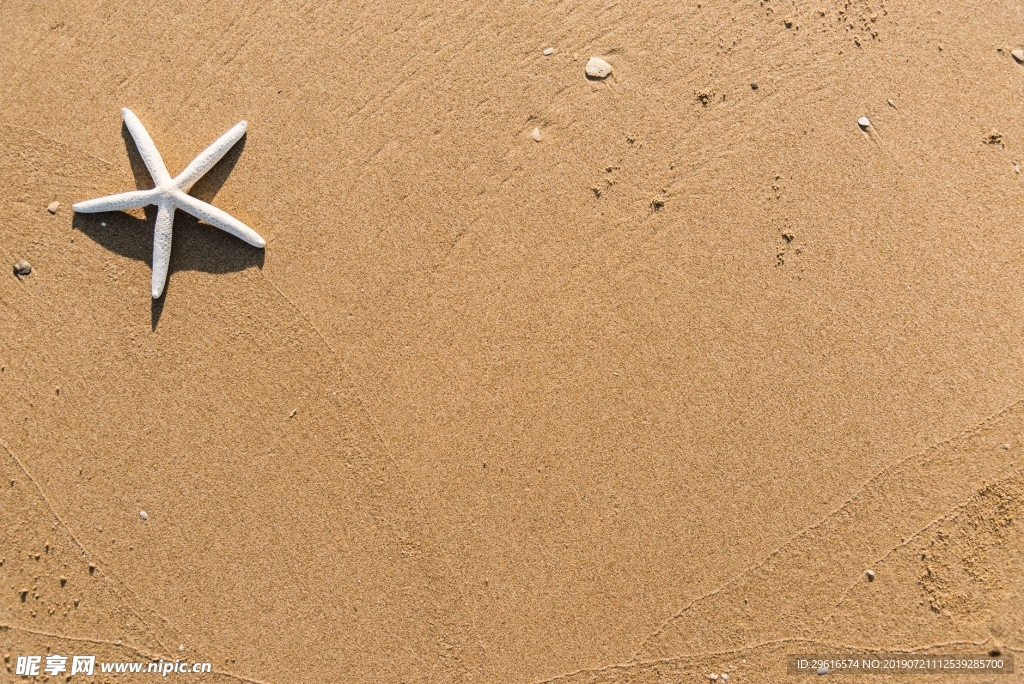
640 401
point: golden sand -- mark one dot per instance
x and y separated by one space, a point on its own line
640 402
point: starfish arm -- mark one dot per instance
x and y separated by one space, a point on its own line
162 247
147 148
217 217
208 158
118 202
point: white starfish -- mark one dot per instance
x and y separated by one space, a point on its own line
172 193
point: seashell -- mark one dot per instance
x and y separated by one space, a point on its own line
598 68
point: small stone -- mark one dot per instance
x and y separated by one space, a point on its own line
549 51
753 86
1018 54
181 648
598 68
22 268
535 134
54 206
725 677
864 122
871 575
788 22
144 515
823 670
713 677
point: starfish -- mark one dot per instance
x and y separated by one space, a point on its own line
172 193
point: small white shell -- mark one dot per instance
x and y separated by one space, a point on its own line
864 122
535 134
549 51
143 515
598 68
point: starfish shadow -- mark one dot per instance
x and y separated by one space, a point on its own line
196 246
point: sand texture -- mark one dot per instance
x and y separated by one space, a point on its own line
540 377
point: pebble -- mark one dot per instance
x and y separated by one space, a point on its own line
535 134
144 515
725 677
22 268
713 677
871 575
549 51
753 86
864 122
598 68
1018 55
54 206
823 670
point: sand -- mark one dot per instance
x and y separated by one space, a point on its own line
641 402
